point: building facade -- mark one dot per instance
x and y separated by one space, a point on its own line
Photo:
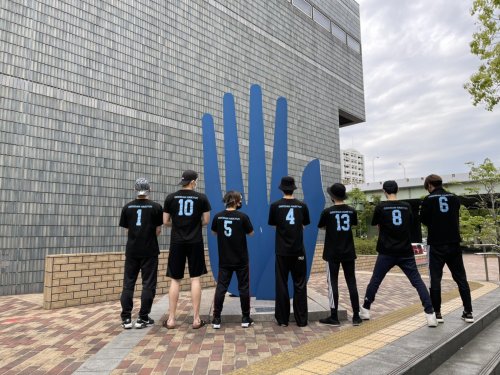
97 94
352 167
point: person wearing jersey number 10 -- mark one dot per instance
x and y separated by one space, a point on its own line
186 212
143 219
394 218
339 250
231 228
289 216
440 213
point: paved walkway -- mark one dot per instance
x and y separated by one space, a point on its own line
37 341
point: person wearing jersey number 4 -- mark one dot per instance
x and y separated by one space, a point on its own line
440 214
231 228
394 217
289 216
339 250
143 219
186 211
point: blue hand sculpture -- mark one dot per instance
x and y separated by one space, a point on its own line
256 204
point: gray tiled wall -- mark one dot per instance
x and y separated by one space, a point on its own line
97 93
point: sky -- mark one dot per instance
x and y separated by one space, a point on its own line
416 59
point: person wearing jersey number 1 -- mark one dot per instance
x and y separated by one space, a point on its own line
440 213
394 218
231 228
186 212
289 216
143 219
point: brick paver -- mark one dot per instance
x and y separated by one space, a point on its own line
37 341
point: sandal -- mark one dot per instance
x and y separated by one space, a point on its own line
168 326
202 323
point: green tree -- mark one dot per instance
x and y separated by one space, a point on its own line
476 227
357 199
488 177
484 85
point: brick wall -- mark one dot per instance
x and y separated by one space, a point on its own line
82 279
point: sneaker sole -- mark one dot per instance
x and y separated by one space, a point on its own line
468 320
246 325
127 326
331 324
356 324
216 326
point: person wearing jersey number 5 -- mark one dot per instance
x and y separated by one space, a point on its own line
231 228
186 212
440 213
393 218
289 216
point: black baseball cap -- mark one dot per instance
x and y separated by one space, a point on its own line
390 187
188 176
287 184
337 190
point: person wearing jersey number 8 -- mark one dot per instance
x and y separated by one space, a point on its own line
394 217
440 213
186 212
143 219
231 228
289 216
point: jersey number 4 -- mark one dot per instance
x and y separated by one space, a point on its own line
289 217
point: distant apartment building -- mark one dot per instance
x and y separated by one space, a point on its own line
352 167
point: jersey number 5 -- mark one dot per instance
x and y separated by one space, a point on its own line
227 229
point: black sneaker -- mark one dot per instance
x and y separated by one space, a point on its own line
127 323
144 322
216 323
246 321
439 317
330 321
356 320
467 316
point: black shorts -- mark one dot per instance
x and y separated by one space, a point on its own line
195 255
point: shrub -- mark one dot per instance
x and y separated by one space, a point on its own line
365 246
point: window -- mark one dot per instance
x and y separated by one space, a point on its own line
304 6
339 33
321 19
353 44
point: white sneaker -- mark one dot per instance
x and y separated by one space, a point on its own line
364 313
431 320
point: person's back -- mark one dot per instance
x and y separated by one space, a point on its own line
440 212
394 219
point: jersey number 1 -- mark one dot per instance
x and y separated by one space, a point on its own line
139 216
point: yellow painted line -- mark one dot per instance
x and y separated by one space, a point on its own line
304 357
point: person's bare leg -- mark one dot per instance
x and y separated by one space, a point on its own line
196 299
173 297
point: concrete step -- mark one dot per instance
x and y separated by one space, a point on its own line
479 356
424 350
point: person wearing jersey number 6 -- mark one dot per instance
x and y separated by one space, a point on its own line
393 218
231 228
186 211
289 216
440 214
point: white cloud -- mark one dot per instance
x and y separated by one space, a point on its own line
416 59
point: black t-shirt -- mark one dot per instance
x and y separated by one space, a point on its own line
141 217
394 220
186 208
289 216
440 212
232 228
339 243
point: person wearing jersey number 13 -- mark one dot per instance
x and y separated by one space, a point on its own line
142 218
393 218
289 216
440 213
186 212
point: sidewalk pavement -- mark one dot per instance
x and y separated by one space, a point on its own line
65 341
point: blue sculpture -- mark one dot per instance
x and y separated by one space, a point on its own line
256 203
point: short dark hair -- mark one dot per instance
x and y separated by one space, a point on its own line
288 192
434 180
232 198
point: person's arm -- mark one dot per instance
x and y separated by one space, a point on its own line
205 219
158 230
251 233
424 212
167 219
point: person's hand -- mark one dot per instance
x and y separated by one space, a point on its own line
256 204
